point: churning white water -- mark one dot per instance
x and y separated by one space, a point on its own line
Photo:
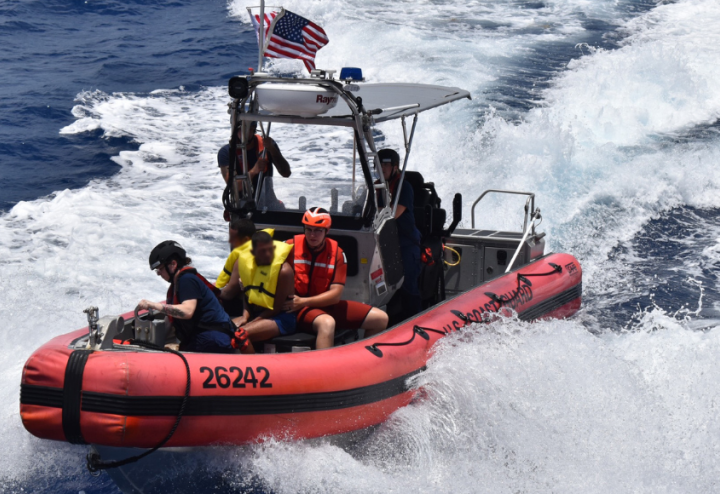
593 404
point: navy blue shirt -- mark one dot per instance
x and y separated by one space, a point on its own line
208 310
208 307
407 231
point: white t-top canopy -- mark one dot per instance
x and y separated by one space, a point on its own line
294 102
396 100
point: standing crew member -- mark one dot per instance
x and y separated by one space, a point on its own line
408 235
194 311
265 277
320 274
262 153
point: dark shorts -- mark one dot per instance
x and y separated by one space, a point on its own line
286 323
208 342
348 314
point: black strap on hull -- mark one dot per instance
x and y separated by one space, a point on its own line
72 396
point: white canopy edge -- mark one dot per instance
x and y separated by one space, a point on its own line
386 101
397 100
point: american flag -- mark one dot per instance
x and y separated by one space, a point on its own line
287 35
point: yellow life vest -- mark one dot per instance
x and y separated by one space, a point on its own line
260 282
224 276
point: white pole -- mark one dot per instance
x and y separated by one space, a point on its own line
353 176
261 46
522 241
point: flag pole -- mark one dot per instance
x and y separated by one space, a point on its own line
261 45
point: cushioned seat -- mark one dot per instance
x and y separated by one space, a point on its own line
429 216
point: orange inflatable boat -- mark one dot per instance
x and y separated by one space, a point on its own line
131 396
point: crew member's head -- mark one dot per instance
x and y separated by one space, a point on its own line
317 222
252 142
167 257
390 162
263 248
240 231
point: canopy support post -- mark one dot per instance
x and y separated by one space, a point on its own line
354 164
408 144
264 153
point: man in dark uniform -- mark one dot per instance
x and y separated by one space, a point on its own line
408 236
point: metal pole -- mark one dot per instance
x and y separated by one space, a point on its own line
402 177
522 242
264 154
261 45
402 120
354 153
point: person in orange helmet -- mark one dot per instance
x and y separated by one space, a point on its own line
320 273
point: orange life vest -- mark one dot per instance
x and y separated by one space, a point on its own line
259 150
314 270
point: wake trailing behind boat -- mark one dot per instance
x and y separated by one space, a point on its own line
91 387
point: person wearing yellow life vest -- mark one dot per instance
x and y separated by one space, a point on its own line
267 281
240 230
320 273
194 311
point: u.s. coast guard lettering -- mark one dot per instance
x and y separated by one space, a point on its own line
512 299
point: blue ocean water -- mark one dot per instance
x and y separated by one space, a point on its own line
110 114
52 51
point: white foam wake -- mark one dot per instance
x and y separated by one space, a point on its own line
512 408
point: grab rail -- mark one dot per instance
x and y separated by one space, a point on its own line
530 201
535 215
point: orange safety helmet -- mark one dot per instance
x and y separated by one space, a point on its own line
317 217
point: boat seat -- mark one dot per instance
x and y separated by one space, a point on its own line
285 343
346 336
429 216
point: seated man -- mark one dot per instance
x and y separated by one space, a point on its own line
194 311
320 274
265 277
240 230
262 153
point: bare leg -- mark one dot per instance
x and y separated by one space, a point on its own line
324 327
262 329
375 322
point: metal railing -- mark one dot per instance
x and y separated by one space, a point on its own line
529 204
535 215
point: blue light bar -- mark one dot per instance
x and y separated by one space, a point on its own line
351 74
